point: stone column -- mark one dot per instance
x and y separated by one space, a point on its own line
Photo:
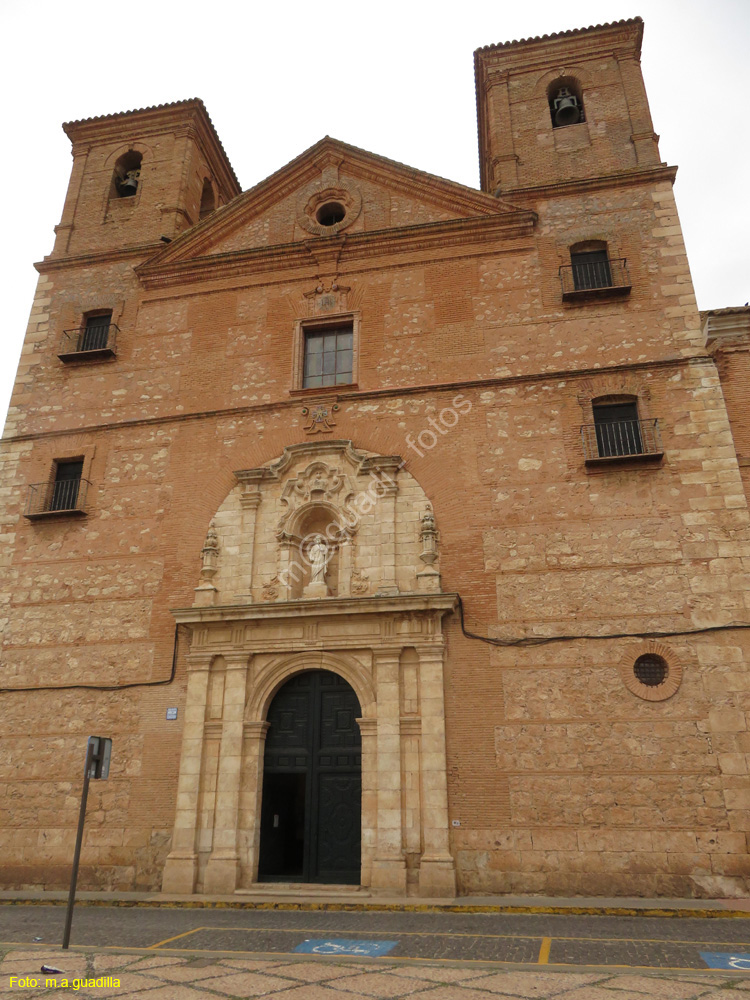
387 503
223 867
389 866
411 731
250 502
437 872
251 794
384 470
181 866
368 729
345 569
288 569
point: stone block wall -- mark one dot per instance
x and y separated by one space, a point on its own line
536 544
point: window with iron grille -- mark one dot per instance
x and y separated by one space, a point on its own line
94 339
591 269
95 332
64 493
328 356
618 430
593 273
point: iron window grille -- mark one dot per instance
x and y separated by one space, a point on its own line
608 440
651 670
594 275
97 338
65 494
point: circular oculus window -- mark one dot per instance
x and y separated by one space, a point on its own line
327 209
330 213
654 674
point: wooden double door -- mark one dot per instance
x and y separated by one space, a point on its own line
312 783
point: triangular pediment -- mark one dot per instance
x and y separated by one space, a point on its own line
332 189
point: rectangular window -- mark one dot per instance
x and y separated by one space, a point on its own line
64 493
328 356
95 332
591 270
618 430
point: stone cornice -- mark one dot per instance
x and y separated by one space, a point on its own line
431 241
625 178
395 391
361 461
50 264
325 607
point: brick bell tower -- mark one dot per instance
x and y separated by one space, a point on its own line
141 175
566 106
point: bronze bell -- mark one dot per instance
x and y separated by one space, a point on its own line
129 184
567 110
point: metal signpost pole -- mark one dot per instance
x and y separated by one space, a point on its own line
79 841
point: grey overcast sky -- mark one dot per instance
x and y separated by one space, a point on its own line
392 76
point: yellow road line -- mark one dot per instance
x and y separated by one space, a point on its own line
544 951
176 937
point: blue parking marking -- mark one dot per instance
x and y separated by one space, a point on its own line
344 946
725 960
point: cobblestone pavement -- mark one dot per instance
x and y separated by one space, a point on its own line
158 976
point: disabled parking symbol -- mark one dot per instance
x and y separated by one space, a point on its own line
344 946
725 960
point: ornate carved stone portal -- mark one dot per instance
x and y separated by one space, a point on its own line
326 559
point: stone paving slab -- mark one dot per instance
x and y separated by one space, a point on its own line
146 976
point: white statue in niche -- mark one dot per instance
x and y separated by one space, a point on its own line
319 557
318 554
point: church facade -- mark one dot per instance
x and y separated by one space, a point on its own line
395 531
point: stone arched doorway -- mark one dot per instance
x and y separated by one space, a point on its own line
371 616
310 828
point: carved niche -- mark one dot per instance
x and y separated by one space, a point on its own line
316 523
287 531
